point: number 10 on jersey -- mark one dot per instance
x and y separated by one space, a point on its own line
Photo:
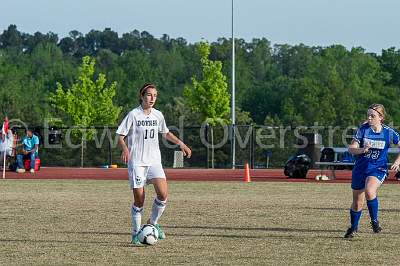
149 133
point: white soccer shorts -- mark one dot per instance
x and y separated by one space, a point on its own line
139 176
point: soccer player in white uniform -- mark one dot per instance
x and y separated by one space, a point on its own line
142 154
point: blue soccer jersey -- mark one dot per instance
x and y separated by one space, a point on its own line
374 162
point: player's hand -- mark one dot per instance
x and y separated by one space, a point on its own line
186 151
395 166
125 155
367 146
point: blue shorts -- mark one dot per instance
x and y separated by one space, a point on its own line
358 178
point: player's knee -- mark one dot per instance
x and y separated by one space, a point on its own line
162 197
370 194
138 202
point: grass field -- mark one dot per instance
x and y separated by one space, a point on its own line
218 223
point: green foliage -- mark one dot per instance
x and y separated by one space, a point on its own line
328 86
276 85
88 102
287 84
209 96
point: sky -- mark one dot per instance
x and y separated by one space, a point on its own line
371 24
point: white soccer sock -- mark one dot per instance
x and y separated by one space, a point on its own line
157 210
136 218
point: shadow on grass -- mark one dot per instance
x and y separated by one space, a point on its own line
205 232
347 209
266 229
326 208
97 233
233 229
106 243
287 237
390 210
276 229
202 234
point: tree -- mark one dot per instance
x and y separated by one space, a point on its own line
11 38
209 97
390 62
87 103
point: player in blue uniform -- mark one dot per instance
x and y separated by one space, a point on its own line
370 145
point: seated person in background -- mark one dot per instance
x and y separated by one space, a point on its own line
7 144
30 150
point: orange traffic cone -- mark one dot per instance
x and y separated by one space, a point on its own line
246 177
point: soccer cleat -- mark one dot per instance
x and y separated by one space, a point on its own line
20 171
32 171
161 234
135 240
375 227
350 233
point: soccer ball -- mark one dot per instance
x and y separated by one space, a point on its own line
148 234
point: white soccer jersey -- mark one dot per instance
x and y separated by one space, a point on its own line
142 132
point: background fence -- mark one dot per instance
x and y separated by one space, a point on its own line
261 146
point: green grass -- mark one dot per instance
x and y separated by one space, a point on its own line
223 223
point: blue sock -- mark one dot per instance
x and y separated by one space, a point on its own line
354 218
373 209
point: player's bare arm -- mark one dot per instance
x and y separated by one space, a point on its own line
355 149
125 152
396 164
185 149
